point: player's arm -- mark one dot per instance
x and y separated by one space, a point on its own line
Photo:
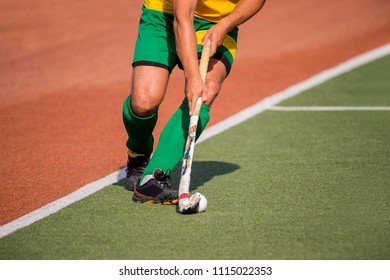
186 47
244 10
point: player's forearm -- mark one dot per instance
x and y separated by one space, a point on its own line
185 35
244 10
186 48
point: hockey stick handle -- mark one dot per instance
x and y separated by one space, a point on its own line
184 185
204 60
203 66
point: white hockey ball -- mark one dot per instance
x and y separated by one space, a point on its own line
202 202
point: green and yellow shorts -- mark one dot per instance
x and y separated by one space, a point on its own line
155 43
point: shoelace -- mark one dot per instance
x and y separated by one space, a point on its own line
163 179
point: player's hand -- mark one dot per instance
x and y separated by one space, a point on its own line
216 34
195 88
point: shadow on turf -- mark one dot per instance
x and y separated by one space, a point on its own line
202 172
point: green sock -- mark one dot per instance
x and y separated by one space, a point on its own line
139 129
173 138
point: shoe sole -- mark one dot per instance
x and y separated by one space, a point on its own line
151 200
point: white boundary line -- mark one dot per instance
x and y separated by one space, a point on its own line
327 108
220 127
61 203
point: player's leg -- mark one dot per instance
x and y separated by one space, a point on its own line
148 89
140 117
149 85
153 61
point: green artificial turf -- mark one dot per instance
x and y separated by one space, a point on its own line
366 86
282 185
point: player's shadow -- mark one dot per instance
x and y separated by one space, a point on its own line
201 173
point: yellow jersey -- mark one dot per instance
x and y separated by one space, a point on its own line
211 10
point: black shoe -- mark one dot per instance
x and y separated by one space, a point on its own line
156 188
136 165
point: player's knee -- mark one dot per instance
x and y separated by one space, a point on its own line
213 88
143 107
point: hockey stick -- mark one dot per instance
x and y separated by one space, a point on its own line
187 205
